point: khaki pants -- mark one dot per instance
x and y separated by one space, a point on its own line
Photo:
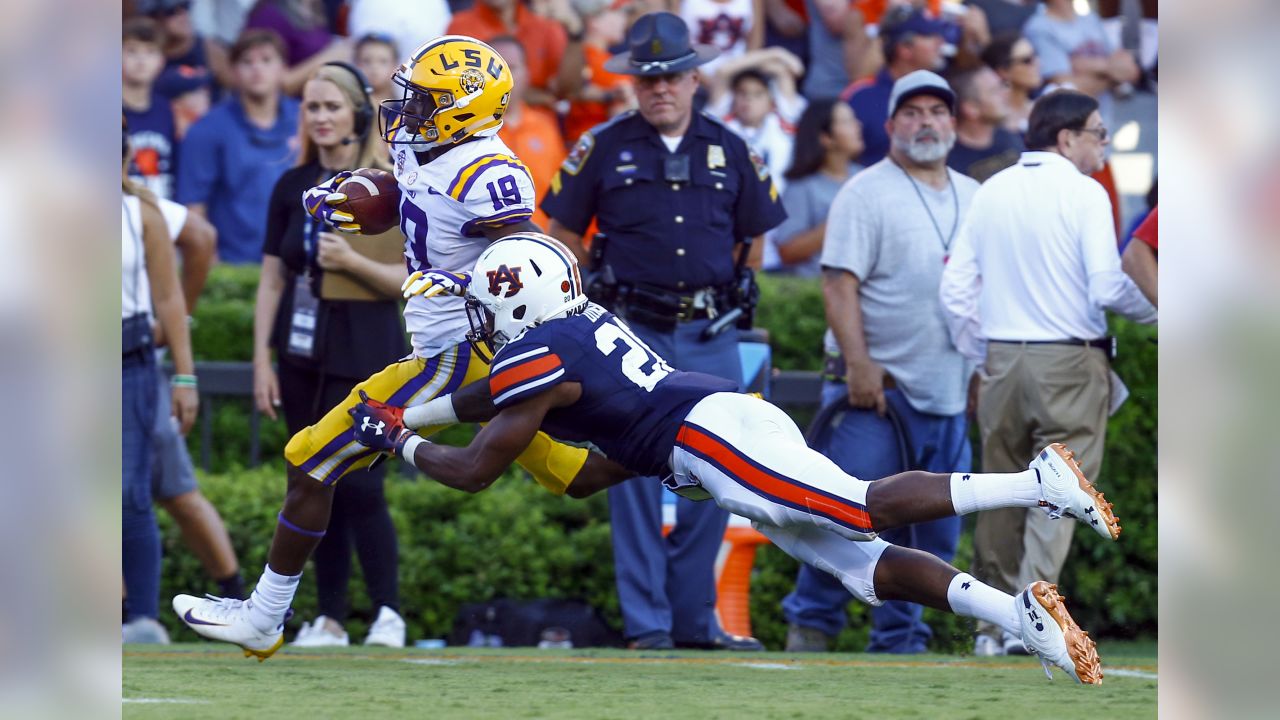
1030 396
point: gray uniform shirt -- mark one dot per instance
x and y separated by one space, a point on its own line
879 230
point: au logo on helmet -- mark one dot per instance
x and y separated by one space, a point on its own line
504 274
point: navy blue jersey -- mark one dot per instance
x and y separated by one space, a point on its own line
632 401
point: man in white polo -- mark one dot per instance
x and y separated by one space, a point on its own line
1033 272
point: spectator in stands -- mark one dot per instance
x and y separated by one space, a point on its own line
838 43
1005 16
755 94
532 133
1141 255
220 20
152 132
195 66
378 56
888 353
1014 58
983 147
233 156
597 94
308 44
149 289
731 26
405 24
828 140
1025 295
544 40
1074 50
787 26
320 359
911 42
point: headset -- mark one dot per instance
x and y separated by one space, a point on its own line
364 113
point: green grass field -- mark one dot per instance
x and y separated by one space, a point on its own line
208 681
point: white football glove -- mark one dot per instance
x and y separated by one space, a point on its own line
322 200
436 282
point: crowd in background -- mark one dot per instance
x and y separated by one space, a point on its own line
215 98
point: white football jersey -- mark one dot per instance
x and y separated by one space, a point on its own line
444 206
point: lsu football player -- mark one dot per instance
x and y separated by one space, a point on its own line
573 368
461 188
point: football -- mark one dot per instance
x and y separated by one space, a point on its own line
373 198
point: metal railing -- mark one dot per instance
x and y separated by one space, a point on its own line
791 388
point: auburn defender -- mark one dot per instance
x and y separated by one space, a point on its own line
573 369
461 188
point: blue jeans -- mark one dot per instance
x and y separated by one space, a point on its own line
140 537
865 445
667 585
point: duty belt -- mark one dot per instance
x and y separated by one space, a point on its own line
663 309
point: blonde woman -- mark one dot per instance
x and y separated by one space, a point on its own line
324 347
149 293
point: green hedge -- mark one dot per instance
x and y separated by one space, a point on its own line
518 541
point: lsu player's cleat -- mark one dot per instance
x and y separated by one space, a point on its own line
1066 491
1050 634
227 620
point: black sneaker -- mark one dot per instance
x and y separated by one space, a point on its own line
654 641
726 641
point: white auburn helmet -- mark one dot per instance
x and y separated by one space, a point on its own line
520 281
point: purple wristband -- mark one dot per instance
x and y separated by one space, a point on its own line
295 528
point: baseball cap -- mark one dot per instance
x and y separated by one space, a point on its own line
921 82
903 19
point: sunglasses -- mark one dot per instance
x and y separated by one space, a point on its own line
1024 60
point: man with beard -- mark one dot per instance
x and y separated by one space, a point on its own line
895 385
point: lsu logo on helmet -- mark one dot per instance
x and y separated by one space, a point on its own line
453 88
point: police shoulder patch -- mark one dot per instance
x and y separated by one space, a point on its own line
579 154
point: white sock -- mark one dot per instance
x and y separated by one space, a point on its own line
971 492
437 411
969 597
271 599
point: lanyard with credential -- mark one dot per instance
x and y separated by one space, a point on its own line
302 324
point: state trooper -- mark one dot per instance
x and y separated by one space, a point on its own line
679 199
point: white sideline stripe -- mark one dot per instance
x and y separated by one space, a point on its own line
1121 672
507 361
168 701
430 661
764 666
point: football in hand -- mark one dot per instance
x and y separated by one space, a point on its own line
373 198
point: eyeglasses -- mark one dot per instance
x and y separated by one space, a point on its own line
1099 132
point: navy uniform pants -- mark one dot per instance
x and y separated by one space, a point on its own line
866 446
667 585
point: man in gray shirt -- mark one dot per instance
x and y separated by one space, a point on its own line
896 386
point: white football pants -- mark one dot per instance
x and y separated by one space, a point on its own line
752 459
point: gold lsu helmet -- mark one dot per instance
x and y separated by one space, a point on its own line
455 87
